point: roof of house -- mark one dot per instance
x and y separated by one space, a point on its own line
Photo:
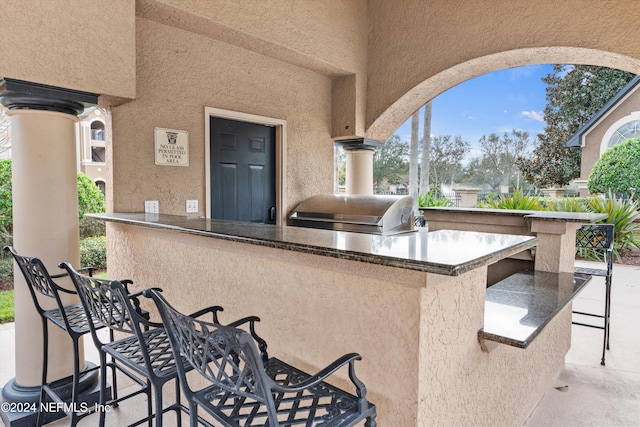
575 140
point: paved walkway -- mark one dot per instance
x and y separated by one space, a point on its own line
584 394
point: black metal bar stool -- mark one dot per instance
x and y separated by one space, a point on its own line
70 318
598 239
143 354
247 387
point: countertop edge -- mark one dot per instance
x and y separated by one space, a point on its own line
581 217
384 260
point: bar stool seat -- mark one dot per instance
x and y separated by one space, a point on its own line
75 318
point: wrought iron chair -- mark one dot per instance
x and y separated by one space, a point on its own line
71 318
598 238
250 389
144 354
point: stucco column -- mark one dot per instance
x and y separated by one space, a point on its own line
45 218
359 172
556 245
359 167
468 197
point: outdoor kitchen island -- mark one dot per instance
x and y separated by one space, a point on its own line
411 304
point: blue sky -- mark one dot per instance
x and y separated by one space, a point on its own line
497 102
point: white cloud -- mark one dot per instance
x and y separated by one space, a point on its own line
534 115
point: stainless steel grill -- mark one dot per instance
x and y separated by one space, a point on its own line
364 214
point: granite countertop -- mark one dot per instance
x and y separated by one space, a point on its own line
445 252
581 217
519 307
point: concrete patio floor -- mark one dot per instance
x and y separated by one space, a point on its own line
584 393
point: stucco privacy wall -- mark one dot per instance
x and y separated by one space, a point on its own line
75 44
593 139
354 305
179 74
446 42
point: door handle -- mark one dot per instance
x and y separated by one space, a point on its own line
272 213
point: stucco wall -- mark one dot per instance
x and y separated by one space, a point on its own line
445 43
179 74
75 44
422 363
329 37
326 36
593 140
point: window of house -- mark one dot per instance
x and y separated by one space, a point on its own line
624 132
98 154
97 130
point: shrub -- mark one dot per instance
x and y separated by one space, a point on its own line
517 201
618 170
90 198
6 269
91 227
6 203
487 198
93 252
565 204
433 198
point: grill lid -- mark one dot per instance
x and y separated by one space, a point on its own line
366 214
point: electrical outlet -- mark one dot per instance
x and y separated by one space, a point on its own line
192 206
151 206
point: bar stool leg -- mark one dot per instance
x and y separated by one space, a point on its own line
45 363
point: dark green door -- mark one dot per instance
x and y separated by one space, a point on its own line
243 179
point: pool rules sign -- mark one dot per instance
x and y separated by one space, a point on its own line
171 147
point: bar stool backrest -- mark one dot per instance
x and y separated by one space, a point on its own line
598 238
39 280
224 355
36 275
107 301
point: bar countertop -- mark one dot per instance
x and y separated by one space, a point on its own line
445 252
551 216
520 306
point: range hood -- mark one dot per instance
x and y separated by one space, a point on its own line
360 213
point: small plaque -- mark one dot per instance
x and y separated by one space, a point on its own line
171 147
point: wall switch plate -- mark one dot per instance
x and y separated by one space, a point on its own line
151 206
192 206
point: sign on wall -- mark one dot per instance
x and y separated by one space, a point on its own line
172 147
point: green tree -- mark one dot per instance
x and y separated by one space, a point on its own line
390 162
6 204
90 198
574 94
618 170
447 154
499 156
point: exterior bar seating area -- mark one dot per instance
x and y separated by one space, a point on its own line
217 150
416 283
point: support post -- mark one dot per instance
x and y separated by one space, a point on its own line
359 169
45 222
